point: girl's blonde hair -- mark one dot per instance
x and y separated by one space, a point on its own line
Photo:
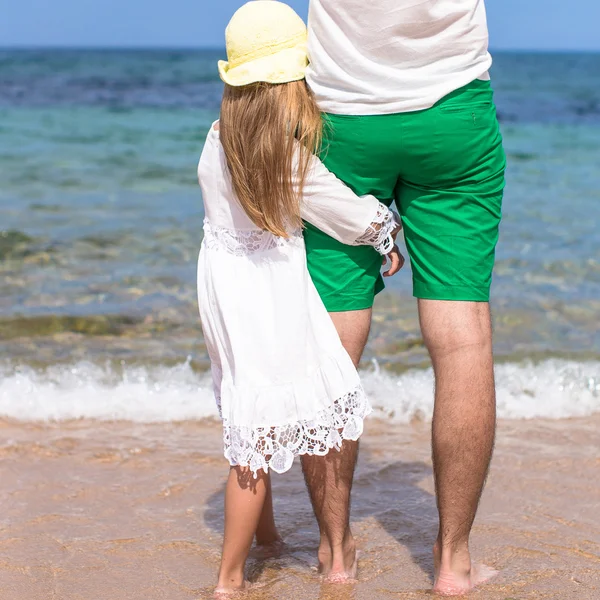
269 134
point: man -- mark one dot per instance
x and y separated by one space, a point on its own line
410 118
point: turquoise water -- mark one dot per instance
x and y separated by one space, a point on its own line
101 215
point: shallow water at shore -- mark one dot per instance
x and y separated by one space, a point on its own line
118 511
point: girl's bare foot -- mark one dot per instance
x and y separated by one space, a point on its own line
223 591
272 549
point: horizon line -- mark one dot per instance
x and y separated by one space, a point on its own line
174 48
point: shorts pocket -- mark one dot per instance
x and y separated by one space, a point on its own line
475 115
467 107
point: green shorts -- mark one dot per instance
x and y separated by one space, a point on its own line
444 167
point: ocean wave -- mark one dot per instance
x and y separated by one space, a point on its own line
554 389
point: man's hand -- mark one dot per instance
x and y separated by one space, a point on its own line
396 259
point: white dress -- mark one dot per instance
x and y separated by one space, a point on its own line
283 382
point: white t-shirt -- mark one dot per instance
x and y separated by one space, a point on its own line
388 56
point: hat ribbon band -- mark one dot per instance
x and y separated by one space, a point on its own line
268 50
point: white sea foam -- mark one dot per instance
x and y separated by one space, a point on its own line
554 389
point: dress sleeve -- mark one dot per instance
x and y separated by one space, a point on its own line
332 207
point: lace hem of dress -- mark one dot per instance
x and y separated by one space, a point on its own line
243 242
379 233
275 447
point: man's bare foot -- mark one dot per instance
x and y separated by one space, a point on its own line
340 569
451 584
324 557
458 576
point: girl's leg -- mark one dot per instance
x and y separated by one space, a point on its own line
244 502
267 535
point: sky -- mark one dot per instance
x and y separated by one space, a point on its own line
514 24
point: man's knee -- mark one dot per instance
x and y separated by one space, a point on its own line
450 327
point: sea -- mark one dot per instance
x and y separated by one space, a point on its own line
101 223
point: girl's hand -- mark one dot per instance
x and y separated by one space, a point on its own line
396 259
398 227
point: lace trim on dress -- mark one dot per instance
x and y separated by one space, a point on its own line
379 233
275 447
243 242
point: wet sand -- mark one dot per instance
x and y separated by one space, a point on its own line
111 511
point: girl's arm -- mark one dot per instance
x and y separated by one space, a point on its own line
335 209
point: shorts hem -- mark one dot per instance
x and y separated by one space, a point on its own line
335 303
339 305
361 300
458 293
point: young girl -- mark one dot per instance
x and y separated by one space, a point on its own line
284 384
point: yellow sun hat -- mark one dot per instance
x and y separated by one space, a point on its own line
266 41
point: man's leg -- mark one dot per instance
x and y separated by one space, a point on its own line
450 197
347 277
458 336
329 478
353 328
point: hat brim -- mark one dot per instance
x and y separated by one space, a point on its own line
285 66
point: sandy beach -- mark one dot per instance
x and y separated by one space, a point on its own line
111 511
